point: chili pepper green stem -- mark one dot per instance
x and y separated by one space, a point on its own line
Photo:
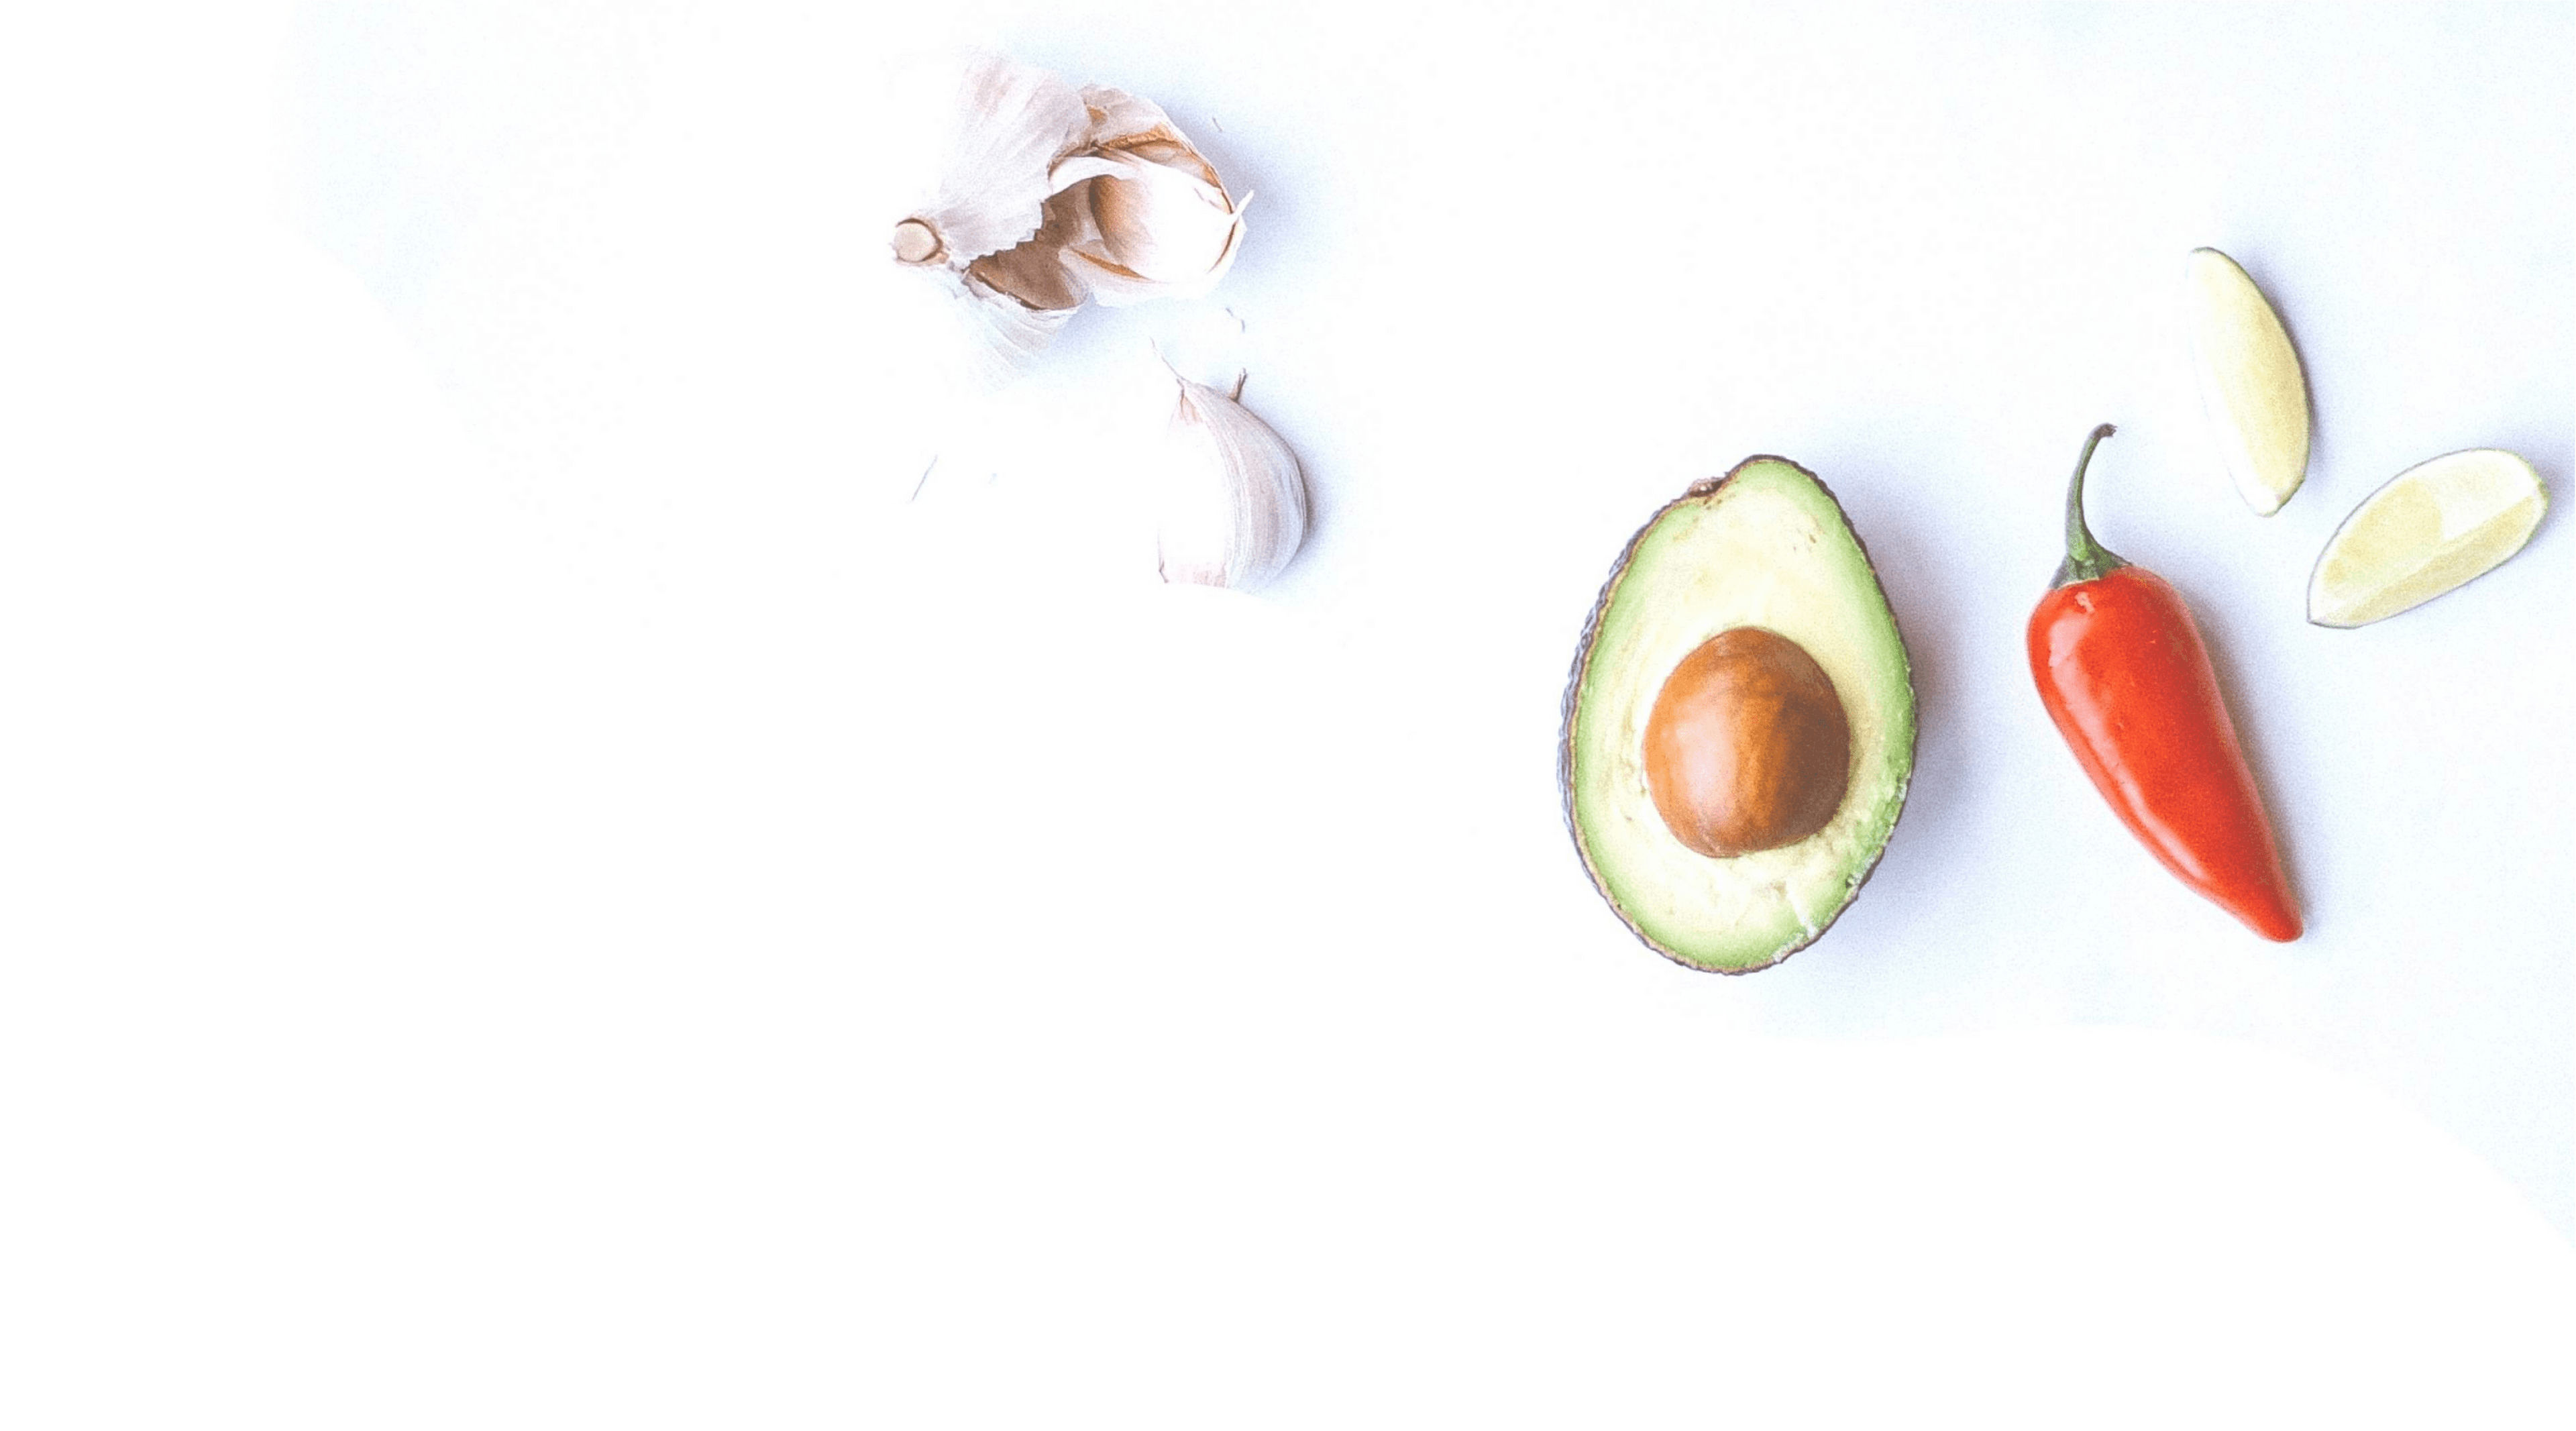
2086 559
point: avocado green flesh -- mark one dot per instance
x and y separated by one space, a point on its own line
1767 547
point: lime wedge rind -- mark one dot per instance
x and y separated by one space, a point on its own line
2431 529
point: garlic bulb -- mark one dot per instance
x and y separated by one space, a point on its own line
1230 496
1042 197
1151 219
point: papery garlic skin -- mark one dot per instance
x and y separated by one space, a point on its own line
1010 332
1153 218
1230 496
1012 125
982 233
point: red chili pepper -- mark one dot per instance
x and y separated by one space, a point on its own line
2123 672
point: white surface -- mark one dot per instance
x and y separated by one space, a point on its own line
536 890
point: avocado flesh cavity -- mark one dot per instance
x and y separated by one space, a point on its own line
1765 547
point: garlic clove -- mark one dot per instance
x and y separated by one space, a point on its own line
1160 223
1034 271
1161 234
1230 496
1011 125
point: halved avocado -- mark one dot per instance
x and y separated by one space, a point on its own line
1700 755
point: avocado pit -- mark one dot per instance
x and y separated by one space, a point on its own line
1748 747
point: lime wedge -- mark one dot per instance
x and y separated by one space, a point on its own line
2250 381
2435 525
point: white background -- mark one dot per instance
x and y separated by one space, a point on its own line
537 888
